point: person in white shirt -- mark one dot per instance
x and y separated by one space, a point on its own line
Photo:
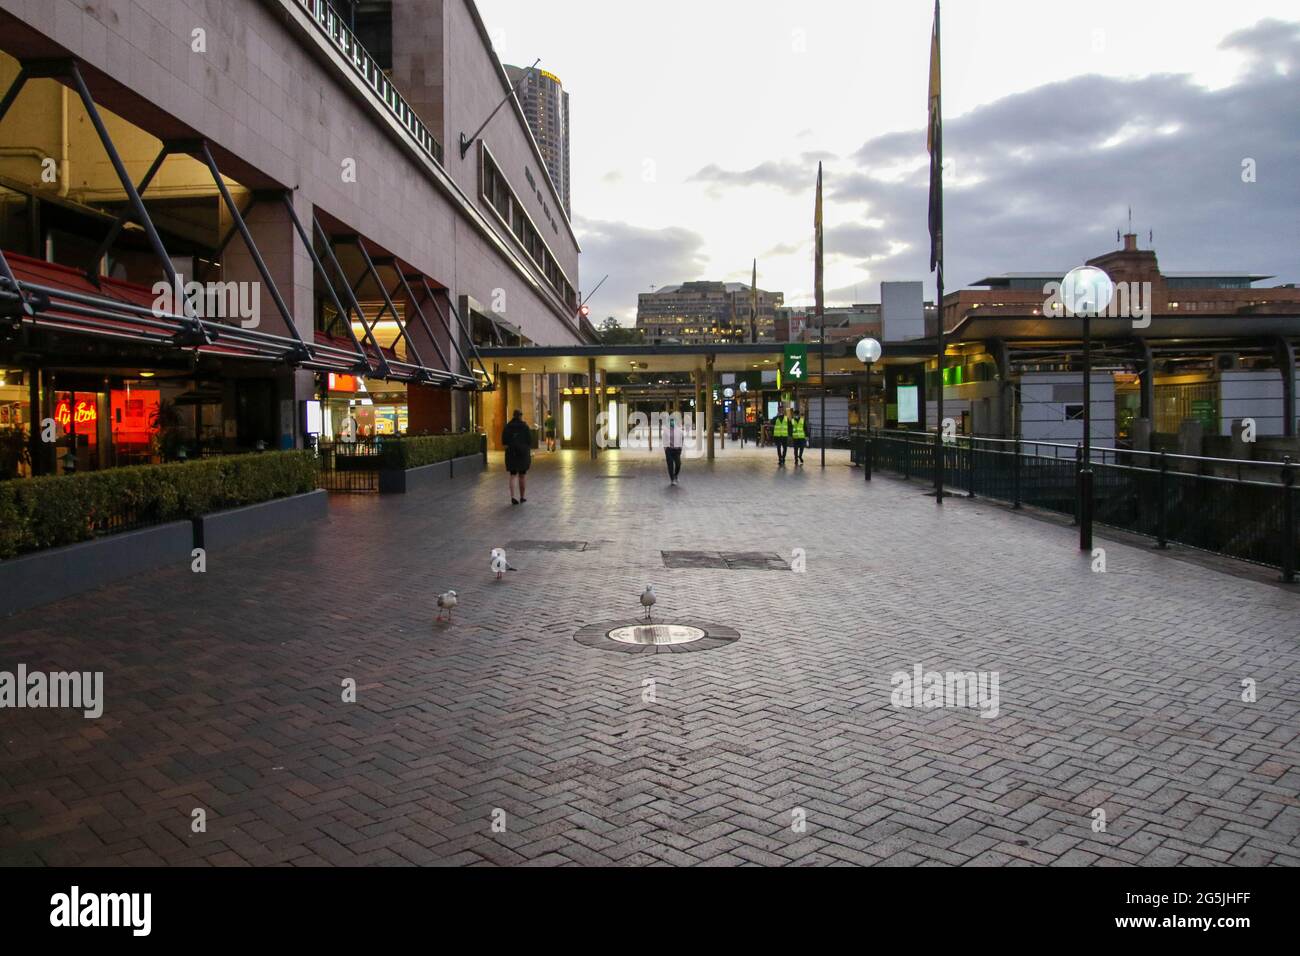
674 439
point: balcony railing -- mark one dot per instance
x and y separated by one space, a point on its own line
365 66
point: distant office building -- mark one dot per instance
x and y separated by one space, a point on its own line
897 318
707 312
1219 292
546 106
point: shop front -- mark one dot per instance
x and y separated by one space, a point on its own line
88 420
359 409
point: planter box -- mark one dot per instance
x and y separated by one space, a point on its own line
394 482
31 580
227 528
467 466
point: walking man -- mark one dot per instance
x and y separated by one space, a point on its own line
781 436
673 440
549 425
799 433
517 440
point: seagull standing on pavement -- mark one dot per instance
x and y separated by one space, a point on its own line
499 563
446 602
648 600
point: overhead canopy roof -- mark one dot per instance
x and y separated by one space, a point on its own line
687 358
1227 331
984 325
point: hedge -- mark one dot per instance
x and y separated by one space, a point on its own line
47 512
403 453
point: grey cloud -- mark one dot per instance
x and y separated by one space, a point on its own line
1050 196
787 175
634 258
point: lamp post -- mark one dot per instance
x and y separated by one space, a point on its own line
1085 293
868 352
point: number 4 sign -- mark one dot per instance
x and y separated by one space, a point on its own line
794 367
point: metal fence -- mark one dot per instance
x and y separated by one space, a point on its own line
1243 509
349 467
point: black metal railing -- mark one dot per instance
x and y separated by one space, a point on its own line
349 467
365 66
1243 509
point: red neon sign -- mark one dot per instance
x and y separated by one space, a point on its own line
85 412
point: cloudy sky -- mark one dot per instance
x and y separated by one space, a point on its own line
697 126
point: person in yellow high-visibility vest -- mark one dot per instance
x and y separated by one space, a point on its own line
799 434
781 437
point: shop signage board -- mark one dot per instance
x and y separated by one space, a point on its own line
794 364
1205 411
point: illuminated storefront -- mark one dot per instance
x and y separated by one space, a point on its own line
357 409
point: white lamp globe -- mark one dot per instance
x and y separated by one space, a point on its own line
869 351
729 392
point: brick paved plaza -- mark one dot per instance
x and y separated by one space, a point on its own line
1119 691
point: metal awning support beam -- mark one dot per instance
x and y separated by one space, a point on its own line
328 243
206 155
340 312
6 273
388 301
469 336
428 330
15 88
437 308
230 233
70 70
403 322
123 217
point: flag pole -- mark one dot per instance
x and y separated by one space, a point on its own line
821 309
936 239
753 305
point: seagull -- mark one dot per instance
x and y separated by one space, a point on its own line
499 563
445 603
648 600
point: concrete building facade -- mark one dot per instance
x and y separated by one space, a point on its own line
438 246
702 312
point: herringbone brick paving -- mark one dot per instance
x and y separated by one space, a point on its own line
1119 691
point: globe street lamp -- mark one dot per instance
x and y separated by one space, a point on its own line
1086 292
868 352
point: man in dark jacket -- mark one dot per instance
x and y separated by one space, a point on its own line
517 439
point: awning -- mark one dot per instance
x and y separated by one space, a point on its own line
64 299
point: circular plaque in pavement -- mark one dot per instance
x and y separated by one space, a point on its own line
656 637
657 634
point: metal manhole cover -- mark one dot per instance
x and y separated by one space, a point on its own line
656 637
546 546
657 634
725 560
